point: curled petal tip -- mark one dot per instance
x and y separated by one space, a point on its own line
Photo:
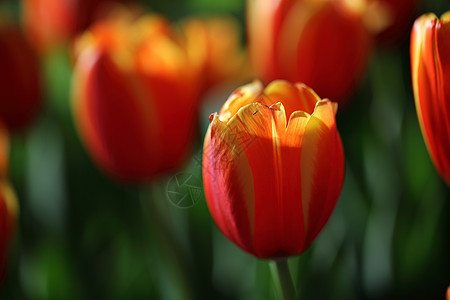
446 16
277 106
334 105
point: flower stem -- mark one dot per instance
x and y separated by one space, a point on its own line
167 242
283 279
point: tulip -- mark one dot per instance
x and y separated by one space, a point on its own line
430 69
271 183
20 89
214 45
52 23
135 97
8 218
321 43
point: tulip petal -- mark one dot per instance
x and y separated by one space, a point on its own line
274 158
294 97
253 126
429 61
228 183
322 168
115 120
443 86
239 98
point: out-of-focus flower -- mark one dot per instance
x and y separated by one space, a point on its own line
324 44
214 45
430 68
448 293
398 15
8 218
135 97
20 86
273 167
52 23
4 151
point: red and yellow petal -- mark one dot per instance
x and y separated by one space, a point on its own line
256 127
228 184
322 168
239 98
296 97
429 67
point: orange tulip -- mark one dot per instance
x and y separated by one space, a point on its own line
20 89
273 167
135 97
52 23
213 44
448 293
8 217
321 43
430 68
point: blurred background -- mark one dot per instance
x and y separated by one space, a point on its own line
82 235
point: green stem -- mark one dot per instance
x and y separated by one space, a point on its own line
283 279
167 241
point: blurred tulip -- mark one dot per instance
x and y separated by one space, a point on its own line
430 68
52 23
399 15
8 218
135 97
214 45
271 183
448 293
20 88
321 43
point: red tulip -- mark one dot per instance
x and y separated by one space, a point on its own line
20 89
8 216
271 183
52 23
135 97
321 43
430 68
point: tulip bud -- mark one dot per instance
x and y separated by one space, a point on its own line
8 218
135 97
430 69
321 43
273 167
20 89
